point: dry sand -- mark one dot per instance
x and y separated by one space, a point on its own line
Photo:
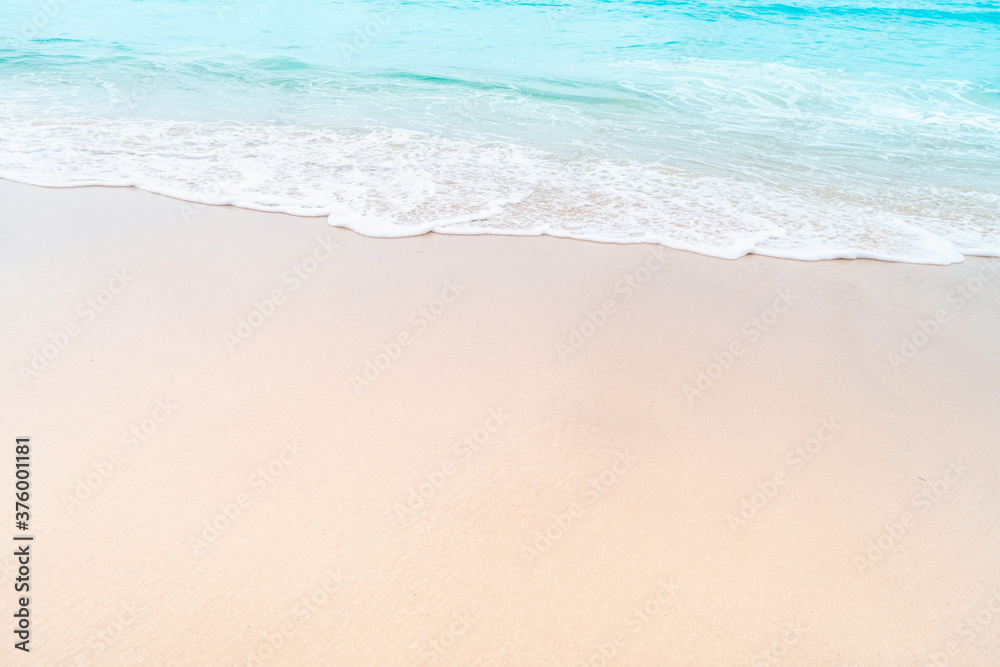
498 490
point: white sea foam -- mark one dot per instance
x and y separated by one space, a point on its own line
391 182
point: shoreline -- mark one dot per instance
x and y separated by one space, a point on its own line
941 251
263 439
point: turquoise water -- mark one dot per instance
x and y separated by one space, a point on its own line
807 130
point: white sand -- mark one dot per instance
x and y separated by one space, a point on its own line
879 546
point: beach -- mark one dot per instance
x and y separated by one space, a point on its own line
258 439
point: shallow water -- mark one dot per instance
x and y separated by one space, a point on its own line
807 130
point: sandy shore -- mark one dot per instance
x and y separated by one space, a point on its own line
260 440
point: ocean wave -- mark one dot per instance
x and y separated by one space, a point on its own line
796 128
392 182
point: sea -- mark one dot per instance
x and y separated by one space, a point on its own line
809 129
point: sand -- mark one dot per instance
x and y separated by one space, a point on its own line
260 440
